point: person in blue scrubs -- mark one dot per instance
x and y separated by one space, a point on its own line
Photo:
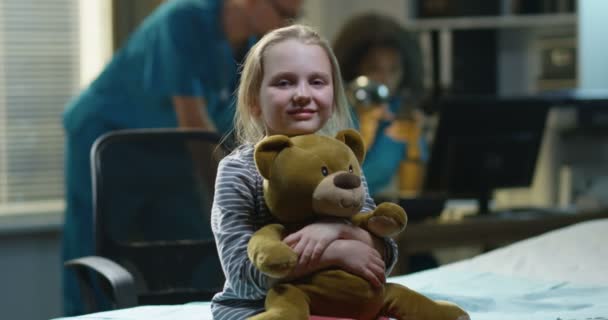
178 69
376 46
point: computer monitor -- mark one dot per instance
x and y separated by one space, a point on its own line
485 143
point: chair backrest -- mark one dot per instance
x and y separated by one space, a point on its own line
153 190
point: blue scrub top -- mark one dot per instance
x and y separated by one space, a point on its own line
179 50
385 154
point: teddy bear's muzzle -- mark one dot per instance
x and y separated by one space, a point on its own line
347 181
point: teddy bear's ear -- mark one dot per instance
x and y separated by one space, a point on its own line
267 149
353 140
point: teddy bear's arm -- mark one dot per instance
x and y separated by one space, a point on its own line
386 220
269 254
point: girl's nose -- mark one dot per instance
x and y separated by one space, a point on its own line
301 96
301 100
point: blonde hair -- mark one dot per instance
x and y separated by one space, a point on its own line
250 129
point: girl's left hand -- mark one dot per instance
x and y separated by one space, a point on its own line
310 242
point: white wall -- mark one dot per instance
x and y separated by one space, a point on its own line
95 38
593 44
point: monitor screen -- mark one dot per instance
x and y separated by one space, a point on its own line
485 143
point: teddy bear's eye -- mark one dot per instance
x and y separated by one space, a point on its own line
324 171
350 169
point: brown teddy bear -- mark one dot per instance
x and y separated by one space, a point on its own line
312 176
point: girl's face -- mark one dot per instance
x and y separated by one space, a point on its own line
297 94
383 64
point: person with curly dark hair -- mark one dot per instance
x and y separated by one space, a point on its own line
379 48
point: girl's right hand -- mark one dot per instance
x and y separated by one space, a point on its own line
357 258
310 241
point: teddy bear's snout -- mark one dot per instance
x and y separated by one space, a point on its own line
347 181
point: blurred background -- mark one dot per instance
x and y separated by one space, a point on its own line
51 49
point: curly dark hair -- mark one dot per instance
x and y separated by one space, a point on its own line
364 32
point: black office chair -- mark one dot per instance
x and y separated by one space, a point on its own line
152 190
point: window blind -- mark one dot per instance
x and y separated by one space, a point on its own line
39 73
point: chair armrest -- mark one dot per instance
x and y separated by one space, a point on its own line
120 280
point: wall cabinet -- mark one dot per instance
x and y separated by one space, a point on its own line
504 54
500 47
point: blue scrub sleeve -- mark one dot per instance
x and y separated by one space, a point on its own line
173 51
382 161
424 149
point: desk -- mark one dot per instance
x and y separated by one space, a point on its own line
486 231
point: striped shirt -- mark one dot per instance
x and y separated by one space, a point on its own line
238 211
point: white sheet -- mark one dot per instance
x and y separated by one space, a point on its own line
486 296
558 275
489 296
577 254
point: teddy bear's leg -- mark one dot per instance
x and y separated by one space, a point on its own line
403 303
283 302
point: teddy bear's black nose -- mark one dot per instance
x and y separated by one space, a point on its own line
347 181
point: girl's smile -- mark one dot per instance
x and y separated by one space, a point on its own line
302 114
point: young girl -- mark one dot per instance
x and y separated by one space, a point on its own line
291 85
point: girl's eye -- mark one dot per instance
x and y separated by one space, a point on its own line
317 82
283 83
324 171
350 169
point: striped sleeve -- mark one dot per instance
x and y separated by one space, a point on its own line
391 249
232 220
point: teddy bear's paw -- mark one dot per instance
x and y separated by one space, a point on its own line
382 226
278 261
392 219
452 311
